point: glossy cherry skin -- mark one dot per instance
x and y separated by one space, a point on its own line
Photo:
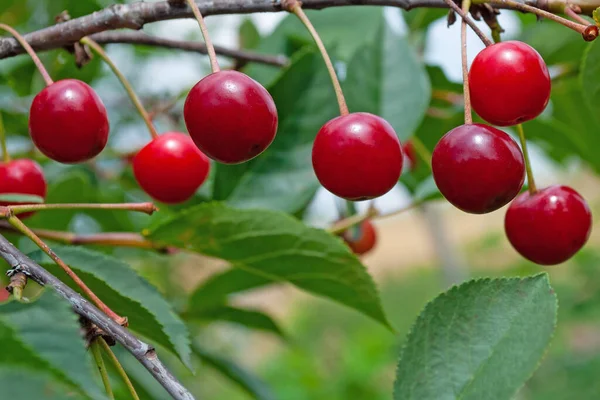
171 168
478 168
22 176
230 117
361 239
509 83
68 122
357 156
550 226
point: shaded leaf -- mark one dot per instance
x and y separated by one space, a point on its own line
381 75
480 340
590 70
275 246
45 335
21 383
283 178
243 378
128 294
252 319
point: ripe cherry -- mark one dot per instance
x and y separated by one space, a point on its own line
509 83
411 155
68 122
230 117
478 168
22 176
550 226
171 168
362 238
357 156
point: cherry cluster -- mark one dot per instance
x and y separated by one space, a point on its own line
479 168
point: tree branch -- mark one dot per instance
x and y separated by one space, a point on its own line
143 352
194 46
136 15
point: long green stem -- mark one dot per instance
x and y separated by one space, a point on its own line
95 348
128 88
372 213
118 367
295 8
146 208
530 180
420 148
29 50
21 227
212 55
466 5
5 155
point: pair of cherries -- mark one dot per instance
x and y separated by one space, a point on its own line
479 168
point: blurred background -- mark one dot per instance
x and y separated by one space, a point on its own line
323 350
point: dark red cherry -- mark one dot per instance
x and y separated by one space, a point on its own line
362 238
171 168
230 117
550 226
357 156
478 168
68 122
22 176
411 155
509 83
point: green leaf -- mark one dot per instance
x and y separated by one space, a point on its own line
480 340
22 383
252 319
596 15
348 28
13 198
386 78
427 191
250 383
45 335
215 290
283 178
275 246
126 293
590 70
249 37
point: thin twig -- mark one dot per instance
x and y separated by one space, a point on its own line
143 352
5 155
469 21
372 213
95 349
146 208
528 169
117 366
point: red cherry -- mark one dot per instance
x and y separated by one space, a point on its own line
361 239
230 117
509 83
357 156
4 295
550 226
411 155
171 168
478 168
22 176
68 122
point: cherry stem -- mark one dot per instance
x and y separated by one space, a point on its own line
530 180
372 213
465 67
22 228
5 155
31 52
118 367
295 7
577 27
210 49
571 13
146 208
469 22
115 239
95 348
128 88
422 150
